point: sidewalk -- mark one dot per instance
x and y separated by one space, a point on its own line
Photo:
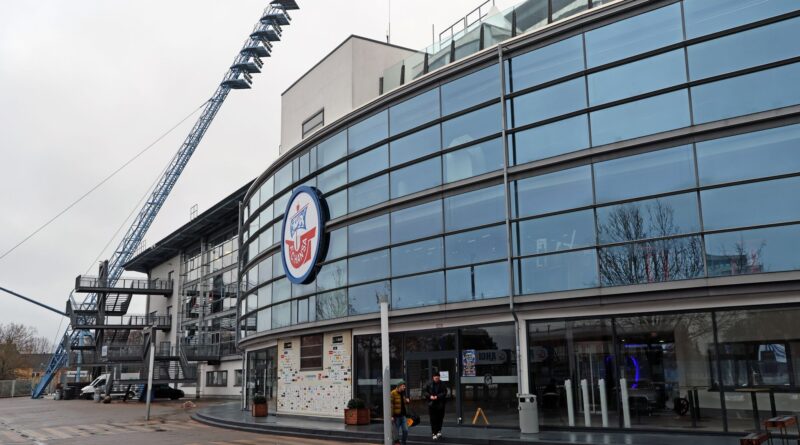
231 416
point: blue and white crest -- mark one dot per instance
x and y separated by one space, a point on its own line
298 221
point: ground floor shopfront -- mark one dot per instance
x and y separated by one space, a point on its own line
701 370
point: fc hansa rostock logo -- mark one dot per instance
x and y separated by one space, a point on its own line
303 243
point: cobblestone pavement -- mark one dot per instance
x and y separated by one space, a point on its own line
32 422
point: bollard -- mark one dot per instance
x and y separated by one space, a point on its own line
626 412
587 416
570 405
603 402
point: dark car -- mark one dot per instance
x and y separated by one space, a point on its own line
163 391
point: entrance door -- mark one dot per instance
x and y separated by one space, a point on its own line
419 372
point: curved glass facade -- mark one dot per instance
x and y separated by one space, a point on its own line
610 182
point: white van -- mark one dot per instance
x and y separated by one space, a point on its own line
98 386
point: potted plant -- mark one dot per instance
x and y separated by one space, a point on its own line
259 407
356 413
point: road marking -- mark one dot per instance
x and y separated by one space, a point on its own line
57 433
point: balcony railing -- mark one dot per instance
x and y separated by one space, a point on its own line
156 286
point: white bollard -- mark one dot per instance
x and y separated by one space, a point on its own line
587 416
626 411
603 402
570 406
13 386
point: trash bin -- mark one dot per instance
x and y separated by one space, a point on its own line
528 414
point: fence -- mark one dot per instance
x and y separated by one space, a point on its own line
15 388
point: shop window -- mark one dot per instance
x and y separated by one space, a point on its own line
237 377
217 378
311 347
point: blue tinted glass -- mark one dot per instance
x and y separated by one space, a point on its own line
749 156
473 161
546 64
337 244
277 266
280 207
332 305
753 251
709 16
472 126
636 35
414 112
559 272
368 131
365 299
553 192
550 102
645 174
476 208
283 178
652 261
640 118
368 193
553 139
745 49
567 8
332 275
418 257
654 218
368 234
333 149
337 204
281 315
370 162
369 267
477 246
281 290
416 145
477 282
751 204
558 232
643 76
416 177
470 90
776 88
420 290
332 178
266 190
417 222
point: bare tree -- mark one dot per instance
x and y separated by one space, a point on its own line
16 341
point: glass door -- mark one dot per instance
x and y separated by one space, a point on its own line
419 372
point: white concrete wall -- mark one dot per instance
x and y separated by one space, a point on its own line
229 392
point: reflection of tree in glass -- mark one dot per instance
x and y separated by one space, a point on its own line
737 259
383 291
649 261
331 305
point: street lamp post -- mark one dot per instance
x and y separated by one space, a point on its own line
387 405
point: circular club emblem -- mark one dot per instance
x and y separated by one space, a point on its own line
303 242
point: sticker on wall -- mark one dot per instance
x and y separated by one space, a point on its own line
304 242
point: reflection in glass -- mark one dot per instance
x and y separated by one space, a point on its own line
709 16
417 257
283 178
332 276
416 177
470 90
414 112
369 193
368 234
368 163
337 204
477 282
558 272
419 290
772 249
369 267
751 204
332 149
368 131
337 244
472 126
652 261
417 222
642 76
553 192
476 208
554 233
549 102
556 138
566 8
546 64
476 246
282 315
366 299
415 145
473 161
332 305
333 178
654 218
641 118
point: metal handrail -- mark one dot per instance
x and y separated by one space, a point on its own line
465 20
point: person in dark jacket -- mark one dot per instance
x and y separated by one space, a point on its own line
436 395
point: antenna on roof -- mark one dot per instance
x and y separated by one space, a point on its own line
389 29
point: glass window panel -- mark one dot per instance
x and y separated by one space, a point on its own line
472 126
369 234
265 216
415 145
368 193
265 270
475 208
368 163
776 87
281 202
416 177
470 90
267 189
304 170
473 161
265 296
332 276
709 16
567 8
550 140
477 282
337 244
745 49
417 222
749 156
546 64
653 218
772 249
337 204
418 257
264 320
640 118
366 299
549 102
652 261
419 290
751 204
332 305
277 266
643 76
276 234
414 112
332 149
369 131
333 178
299 290
283 178
265 239
558 232
531 15
554 192
476 247
369 267
636 35
281 290
559 272
645 174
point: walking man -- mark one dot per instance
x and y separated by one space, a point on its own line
399 413
436 394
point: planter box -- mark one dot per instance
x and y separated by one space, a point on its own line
259 410
358 416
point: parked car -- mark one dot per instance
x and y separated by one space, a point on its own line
164 391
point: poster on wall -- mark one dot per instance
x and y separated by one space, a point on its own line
444 375
468 358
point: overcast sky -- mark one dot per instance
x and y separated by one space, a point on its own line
86 84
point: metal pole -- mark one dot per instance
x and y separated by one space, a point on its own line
149 394
387 405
